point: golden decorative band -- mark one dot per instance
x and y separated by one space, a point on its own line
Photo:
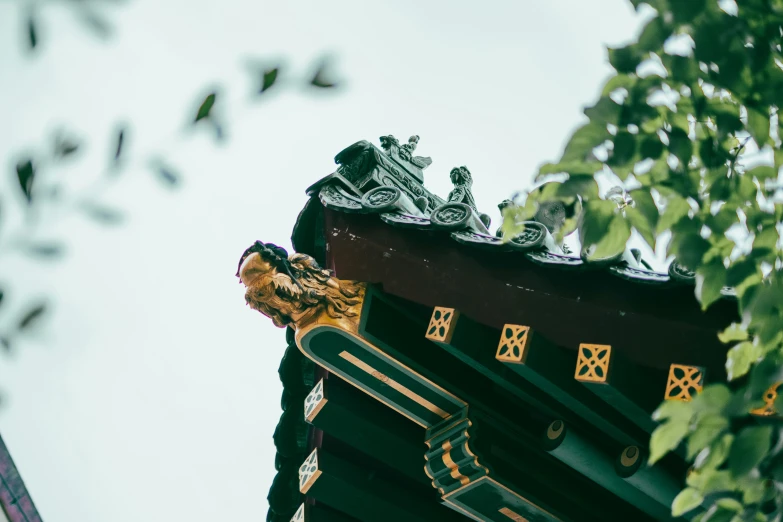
393 384
449 462
513 515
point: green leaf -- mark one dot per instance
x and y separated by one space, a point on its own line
618 81
749 449
687 500
679 411
708 428
767 238
680 145
576 168
583 141
25 173
624 148
685 11
734 332
710 279
716 454
605 111
713 398
268 79
625 59
651 147
653 35
763 173
758 126
666 438
604 232
205 108
643 216
321 77
676 209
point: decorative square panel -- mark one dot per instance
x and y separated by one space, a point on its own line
299 516
513 342
684 382
309 472
442 324
768 410
314 401
592 363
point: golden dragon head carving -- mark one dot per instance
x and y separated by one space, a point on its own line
295 291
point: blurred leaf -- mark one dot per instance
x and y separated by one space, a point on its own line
653 35
680 145
268 79
708 428
666 438
25 173
763 173
710 279
95 21
749 449
624 148
583 141
44 249
758 126
739 359
64 146
30 317
651 147
716 454
604 232
643 216
676 209
605 111
168 176
685 11
120 142
321 77
101 213
687 500
625 59
32 31
735 332
206 107
5 343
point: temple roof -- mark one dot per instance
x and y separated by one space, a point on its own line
426 258
15 500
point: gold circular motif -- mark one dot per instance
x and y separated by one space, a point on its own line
555 429
629 456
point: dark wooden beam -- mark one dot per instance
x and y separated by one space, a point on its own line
359 420
635 392
650 325
320 513
364 494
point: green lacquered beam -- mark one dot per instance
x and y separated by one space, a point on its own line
363 494
320 513
649 489
550 368
350 415
633 391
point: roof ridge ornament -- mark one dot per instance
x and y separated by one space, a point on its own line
403 155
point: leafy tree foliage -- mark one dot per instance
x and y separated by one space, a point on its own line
689 128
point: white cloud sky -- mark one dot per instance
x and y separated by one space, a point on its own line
152 393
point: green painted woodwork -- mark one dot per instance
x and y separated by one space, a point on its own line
488 501
320 513
365 494
633 391
379 375
348 414
545 367
652 497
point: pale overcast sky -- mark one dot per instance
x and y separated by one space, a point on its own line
151 392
